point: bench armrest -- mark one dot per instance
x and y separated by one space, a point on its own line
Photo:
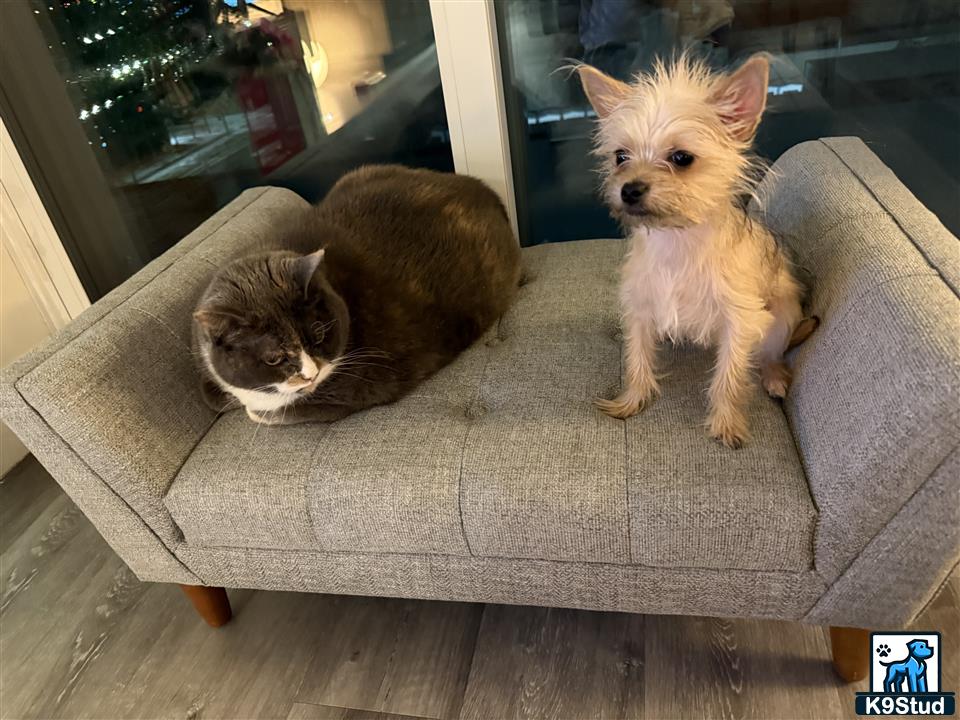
111 405
874 406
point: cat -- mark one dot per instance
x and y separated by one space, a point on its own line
385 281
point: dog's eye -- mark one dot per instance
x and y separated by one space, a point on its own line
681 158
621 156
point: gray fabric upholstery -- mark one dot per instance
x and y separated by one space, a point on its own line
874 404
138 544
931 238
903 566
543 472
497 481
503 455
592 586
694 503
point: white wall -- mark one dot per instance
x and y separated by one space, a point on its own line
22 326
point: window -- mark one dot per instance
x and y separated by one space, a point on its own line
143 117
884 70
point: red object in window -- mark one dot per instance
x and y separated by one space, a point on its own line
272 119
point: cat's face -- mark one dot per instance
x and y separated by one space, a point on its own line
271 328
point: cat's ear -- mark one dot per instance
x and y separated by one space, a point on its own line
603 92
305 266
216 321
740 98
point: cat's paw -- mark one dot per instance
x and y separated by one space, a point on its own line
263 419
626 404
729 431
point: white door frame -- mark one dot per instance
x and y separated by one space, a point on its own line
469 57
34 244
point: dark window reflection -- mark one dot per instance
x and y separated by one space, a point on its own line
887 71
188 102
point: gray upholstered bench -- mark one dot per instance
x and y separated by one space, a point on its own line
497 480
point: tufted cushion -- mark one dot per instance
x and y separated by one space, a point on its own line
502 455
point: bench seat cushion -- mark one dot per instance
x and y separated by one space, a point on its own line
501 454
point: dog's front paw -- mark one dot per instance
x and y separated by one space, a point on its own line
776 379
729 431
263 419
625 404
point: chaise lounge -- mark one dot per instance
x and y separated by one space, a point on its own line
497 480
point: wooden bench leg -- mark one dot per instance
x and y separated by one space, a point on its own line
851 652
211 602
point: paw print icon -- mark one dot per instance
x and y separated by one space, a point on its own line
883 650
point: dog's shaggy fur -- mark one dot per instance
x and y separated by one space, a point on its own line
674 159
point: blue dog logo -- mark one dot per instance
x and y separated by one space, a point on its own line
912 670
907 686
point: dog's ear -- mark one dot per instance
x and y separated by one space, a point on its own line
740 98
603 92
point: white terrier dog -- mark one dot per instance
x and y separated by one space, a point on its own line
674 145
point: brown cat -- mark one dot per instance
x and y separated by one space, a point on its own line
412 267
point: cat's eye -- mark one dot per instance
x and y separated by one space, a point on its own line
621 157
681 158
273 359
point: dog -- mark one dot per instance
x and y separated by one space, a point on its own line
913 669
674 149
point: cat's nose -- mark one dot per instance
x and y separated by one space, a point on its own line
308 367
632 192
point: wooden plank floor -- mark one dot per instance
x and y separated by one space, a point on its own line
81 637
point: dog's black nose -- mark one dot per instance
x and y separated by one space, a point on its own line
632 192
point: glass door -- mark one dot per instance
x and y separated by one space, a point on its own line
884 70
138 119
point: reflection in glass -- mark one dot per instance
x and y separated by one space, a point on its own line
884 70
188 102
